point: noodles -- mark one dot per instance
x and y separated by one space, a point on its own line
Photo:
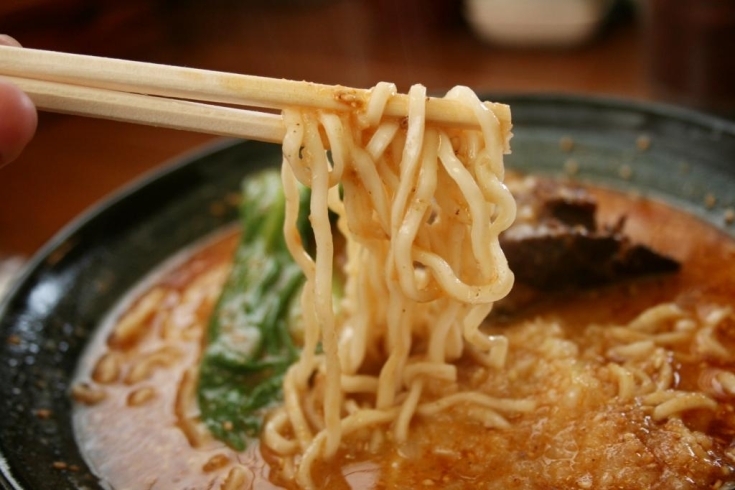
421 209
644 368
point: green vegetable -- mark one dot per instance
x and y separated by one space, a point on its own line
249 346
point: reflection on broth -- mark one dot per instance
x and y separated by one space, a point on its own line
628 385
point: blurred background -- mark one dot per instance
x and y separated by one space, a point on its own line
675 51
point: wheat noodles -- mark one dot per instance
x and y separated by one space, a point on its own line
421 209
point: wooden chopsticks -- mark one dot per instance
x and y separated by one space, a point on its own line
164 95
152 110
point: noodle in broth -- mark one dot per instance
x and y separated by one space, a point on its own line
404 192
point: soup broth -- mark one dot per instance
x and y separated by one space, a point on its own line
592 363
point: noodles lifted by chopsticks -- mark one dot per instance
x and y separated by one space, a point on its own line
421 207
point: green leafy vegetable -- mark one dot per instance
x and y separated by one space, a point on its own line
249 346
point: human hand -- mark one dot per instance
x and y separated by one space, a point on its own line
18 118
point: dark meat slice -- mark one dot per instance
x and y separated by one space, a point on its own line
556 244
564 257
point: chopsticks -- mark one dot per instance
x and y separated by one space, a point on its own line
185 98
151 110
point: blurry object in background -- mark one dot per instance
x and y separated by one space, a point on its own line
100 27
691 52
537 23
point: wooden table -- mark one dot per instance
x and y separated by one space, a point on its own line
74 162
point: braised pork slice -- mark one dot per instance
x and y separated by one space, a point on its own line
556 243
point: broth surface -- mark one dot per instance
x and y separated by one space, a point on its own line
138 428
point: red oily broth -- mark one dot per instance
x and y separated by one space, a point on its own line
137 425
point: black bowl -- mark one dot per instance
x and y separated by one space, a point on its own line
46 321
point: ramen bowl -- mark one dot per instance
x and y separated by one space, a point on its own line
684 158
